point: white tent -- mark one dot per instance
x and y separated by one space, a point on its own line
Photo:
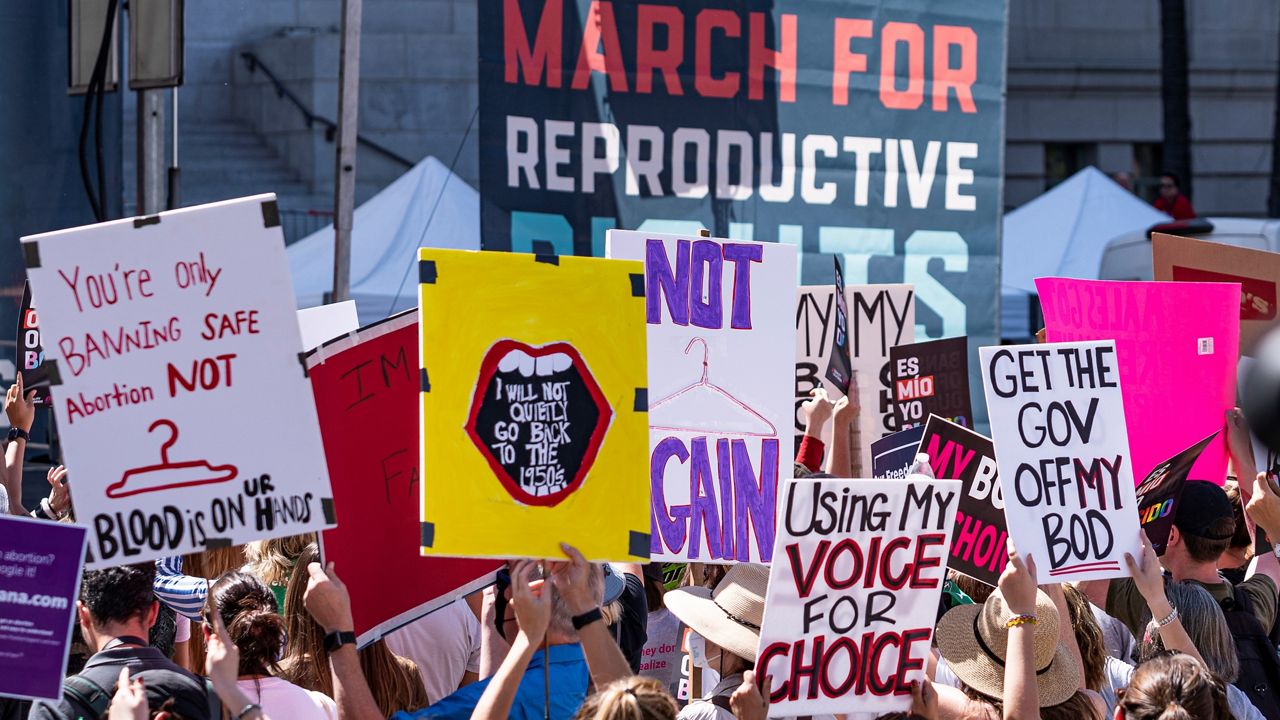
1063 233
388 229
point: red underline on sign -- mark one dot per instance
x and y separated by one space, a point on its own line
1102 565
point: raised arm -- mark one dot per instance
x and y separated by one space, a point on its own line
1150 583
20 407
816 411
845 458
531 599
1018 587
571 579
1264 508
327 600
184 593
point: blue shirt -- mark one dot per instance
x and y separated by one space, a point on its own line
568 682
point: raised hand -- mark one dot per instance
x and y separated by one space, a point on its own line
1018 583
327 600
20 405
531 599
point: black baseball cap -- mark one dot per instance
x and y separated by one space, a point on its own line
1202 509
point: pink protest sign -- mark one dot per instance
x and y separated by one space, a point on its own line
1177 345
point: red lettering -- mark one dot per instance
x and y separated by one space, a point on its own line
891 35
600 27
804 582
649 58
708 86
962 78
844 60
545 53
783 59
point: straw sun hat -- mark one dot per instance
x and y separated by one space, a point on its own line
973 639
728 616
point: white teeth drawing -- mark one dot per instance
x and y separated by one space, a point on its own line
529 366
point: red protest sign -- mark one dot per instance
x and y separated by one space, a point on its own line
366 388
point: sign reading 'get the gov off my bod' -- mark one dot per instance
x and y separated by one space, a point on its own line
184 409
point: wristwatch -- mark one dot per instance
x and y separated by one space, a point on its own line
17 432
337 639
586 618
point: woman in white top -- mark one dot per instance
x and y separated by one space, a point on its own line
248 609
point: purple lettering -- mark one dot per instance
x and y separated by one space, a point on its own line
742 255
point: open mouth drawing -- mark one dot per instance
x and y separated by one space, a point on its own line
539 418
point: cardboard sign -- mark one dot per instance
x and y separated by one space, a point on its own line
892 455
1058 422
853 593
366 387
1159 493
184 407
880 317
534 426
1177 346
719 400
40 567
30 352
325 322
839 365
932 378
978 548
1258 272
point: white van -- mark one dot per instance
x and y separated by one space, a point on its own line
1128 256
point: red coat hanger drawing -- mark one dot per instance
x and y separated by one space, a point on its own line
705 407
168 475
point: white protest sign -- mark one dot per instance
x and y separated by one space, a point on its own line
1062 449
184 409
322 323
880 317
853 593
719 391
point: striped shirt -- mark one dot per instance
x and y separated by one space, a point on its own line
184 593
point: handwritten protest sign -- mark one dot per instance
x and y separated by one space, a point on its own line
1165 333
1160 492
40 568
1258 272
184 409
1062 451
978 548
719 403
932 378
534 425
893 455
366 387
853 593
30 352
880 317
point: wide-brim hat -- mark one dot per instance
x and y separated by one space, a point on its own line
974 640
728 616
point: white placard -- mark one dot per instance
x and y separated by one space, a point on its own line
184 408
1062 449
719 394
880 317
322 323
853 593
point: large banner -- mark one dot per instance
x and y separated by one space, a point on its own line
533 395
40 568
1062 452
366 387
184 407
853 593
719 398
1177 344
1189 260
880 317
871 129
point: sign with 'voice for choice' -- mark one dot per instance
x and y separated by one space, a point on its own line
1057 419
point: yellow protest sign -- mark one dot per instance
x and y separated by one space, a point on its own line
534 405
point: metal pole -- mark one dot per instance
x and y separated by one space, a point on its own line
344 191
151 177
175 175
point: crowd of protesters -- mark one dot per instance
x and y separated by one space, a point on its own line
266 630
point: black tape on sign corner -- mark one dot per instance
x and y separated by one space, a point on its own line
637 284
428 531
215 543
426 272
270 214
145 220
642 400
545 252
51 372
302 360
639 544
326 507
31 254
425 382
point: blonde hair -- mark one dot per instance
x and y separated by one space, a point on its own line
272 560
633 698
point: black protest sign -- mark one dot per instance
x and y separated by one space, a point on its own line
978 547
30 351
932 378
1160 492
839 366
892 455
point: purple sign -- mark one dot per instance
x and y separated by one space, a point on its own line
40 565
